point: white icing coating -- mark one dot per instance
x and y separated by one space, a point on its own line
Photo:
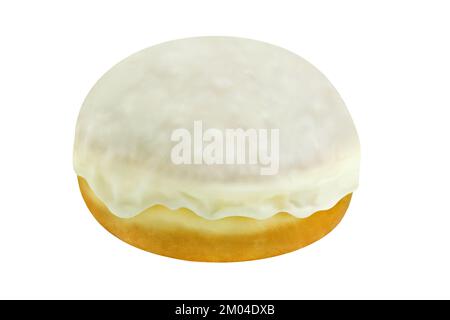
122 143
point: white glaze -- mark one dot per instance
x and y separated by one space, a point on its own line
122 144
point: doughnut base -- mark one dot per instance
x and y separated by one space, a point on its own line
183 235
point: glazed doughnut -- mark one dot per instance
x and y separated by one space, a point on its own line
155 134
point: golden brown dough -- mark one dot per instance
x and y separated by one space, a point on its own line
182 234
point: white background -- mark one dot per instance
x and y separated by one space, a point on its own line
388 59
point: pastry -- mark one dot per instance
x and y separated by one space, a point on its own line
216 149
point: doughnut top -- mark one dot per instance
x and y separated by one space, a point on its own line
125 131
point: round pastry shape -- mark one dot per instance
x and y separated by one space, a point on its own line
216 149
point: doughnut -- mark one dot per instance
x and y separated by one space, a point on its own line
216 149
